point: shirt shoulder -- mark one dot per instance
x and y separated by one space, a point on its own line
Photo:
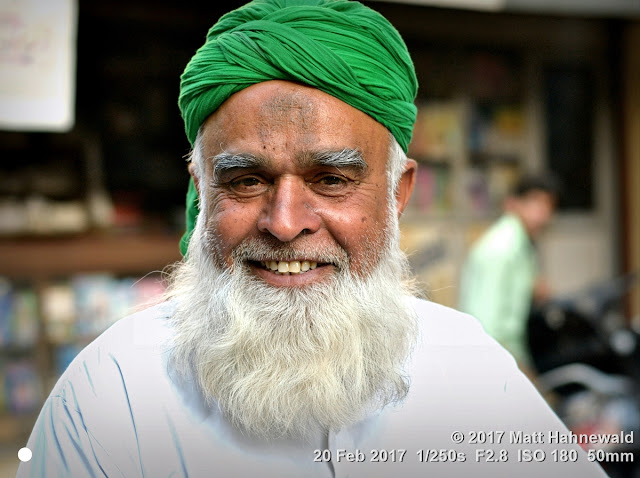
127 348
441 325
453 346
505 237
146 328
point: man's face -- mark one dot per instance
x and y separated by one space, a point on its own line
287 164
536 211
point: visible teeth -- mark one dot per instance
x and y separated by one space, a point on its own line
286 268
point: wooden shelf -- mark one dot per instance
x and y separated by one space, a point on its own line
42 258
15 428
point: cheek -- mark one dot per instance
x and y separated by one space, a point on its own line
541 215
359 229
229 223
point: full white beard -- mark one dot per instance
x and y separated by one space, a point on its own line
288 362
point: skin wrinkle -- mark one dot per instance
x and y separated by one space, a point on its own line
215 206
318 207
395 166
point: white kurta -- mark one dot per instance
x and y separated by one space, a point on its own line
118 411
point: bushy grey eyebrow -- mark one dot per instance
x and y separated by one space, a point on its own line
346 158
225 162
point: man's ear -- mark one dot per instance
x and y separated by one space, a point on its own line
406 184
194 176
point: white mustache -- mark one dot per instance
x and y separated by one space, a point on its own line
267 248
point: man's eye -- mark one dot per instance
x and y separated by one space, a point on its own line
246 184
332 181
331 184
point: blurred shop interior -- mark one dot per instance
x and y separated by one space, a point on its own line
92 194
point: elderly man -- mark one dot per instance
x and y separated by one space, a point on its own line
289 343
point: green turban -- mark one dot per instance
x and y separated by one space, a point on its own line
338 46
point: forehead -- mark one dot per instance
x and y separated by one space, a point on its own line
281 119
539 196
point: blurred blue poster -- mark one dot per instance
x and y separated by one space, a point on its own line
37 64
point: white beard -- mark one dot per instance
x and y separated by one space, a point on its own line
287 362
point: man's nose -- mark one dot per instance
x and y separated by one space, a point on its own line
288 211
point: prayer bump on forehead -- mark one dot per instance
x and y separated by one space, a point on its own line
285 103
287 108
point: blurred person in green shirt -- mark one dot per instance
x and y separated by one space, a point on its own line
500 277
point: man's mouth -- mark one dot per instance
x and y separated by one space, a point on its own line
288 267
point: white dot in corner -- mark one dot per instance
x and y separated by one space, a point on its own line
24 454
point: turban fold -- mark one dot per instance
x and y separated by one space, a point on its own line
341 47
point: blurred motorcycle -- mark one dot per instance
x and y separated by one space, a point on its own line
587 356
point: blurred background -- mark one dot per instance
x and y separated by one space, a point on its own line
93 177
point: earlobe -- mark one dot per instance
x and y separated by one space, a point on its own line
194 176
405 187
